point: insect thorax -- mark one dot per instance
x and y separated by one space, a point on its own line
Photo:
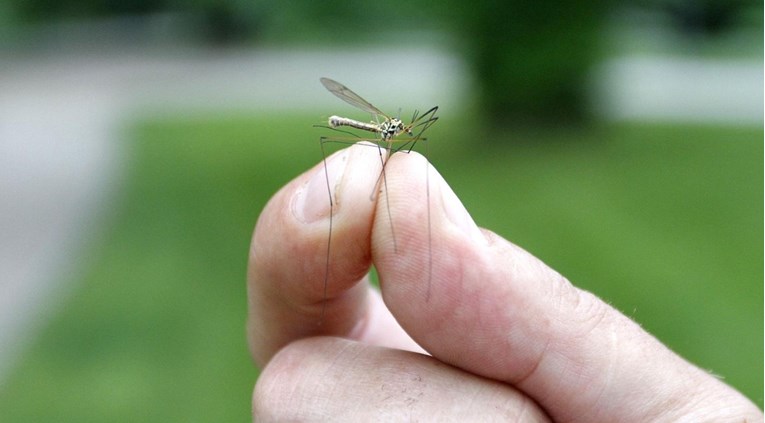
391 128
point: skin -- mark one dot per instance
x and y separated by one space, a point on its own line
491 333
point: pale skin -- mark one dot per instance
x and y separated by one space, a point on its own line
500 337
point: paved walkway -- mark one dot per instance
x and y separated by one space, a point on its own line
681 90
60 120
57 163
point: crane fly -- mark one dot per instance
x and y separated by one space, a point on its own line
388 131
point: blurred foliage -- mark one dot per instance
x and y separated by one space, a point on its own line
530 59
225 21
663 222
704 17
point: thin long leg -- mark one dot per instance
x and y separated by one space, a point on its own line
430 227
329 236
411 146
387 199
383 162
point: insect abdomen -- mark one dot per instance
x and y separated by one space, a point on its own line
335 121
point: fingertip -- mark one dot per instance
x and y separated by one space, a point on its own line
308 260
300 226
453 211
436 244
312 201
421 206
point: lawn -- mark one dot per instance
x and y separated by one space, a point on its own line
664 222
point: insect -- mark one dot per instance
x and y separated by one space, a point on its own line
388 130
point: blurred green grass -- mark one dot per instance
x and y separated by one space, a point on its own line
662 221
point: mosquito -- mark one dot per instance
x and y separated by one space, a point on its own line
388 130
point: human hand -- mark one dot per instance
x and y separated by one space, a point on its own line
508 338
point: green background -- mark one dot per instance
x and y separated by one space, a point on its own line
662 221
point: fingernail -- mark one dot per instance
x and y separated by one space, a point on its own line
457 214
311 203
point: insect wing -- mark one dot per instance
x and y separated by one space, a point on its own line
344 93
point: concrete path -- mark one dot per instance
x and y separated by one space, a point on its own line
57 163
60 119
671 89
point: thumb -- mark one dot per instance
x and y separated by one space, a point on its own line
478 302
